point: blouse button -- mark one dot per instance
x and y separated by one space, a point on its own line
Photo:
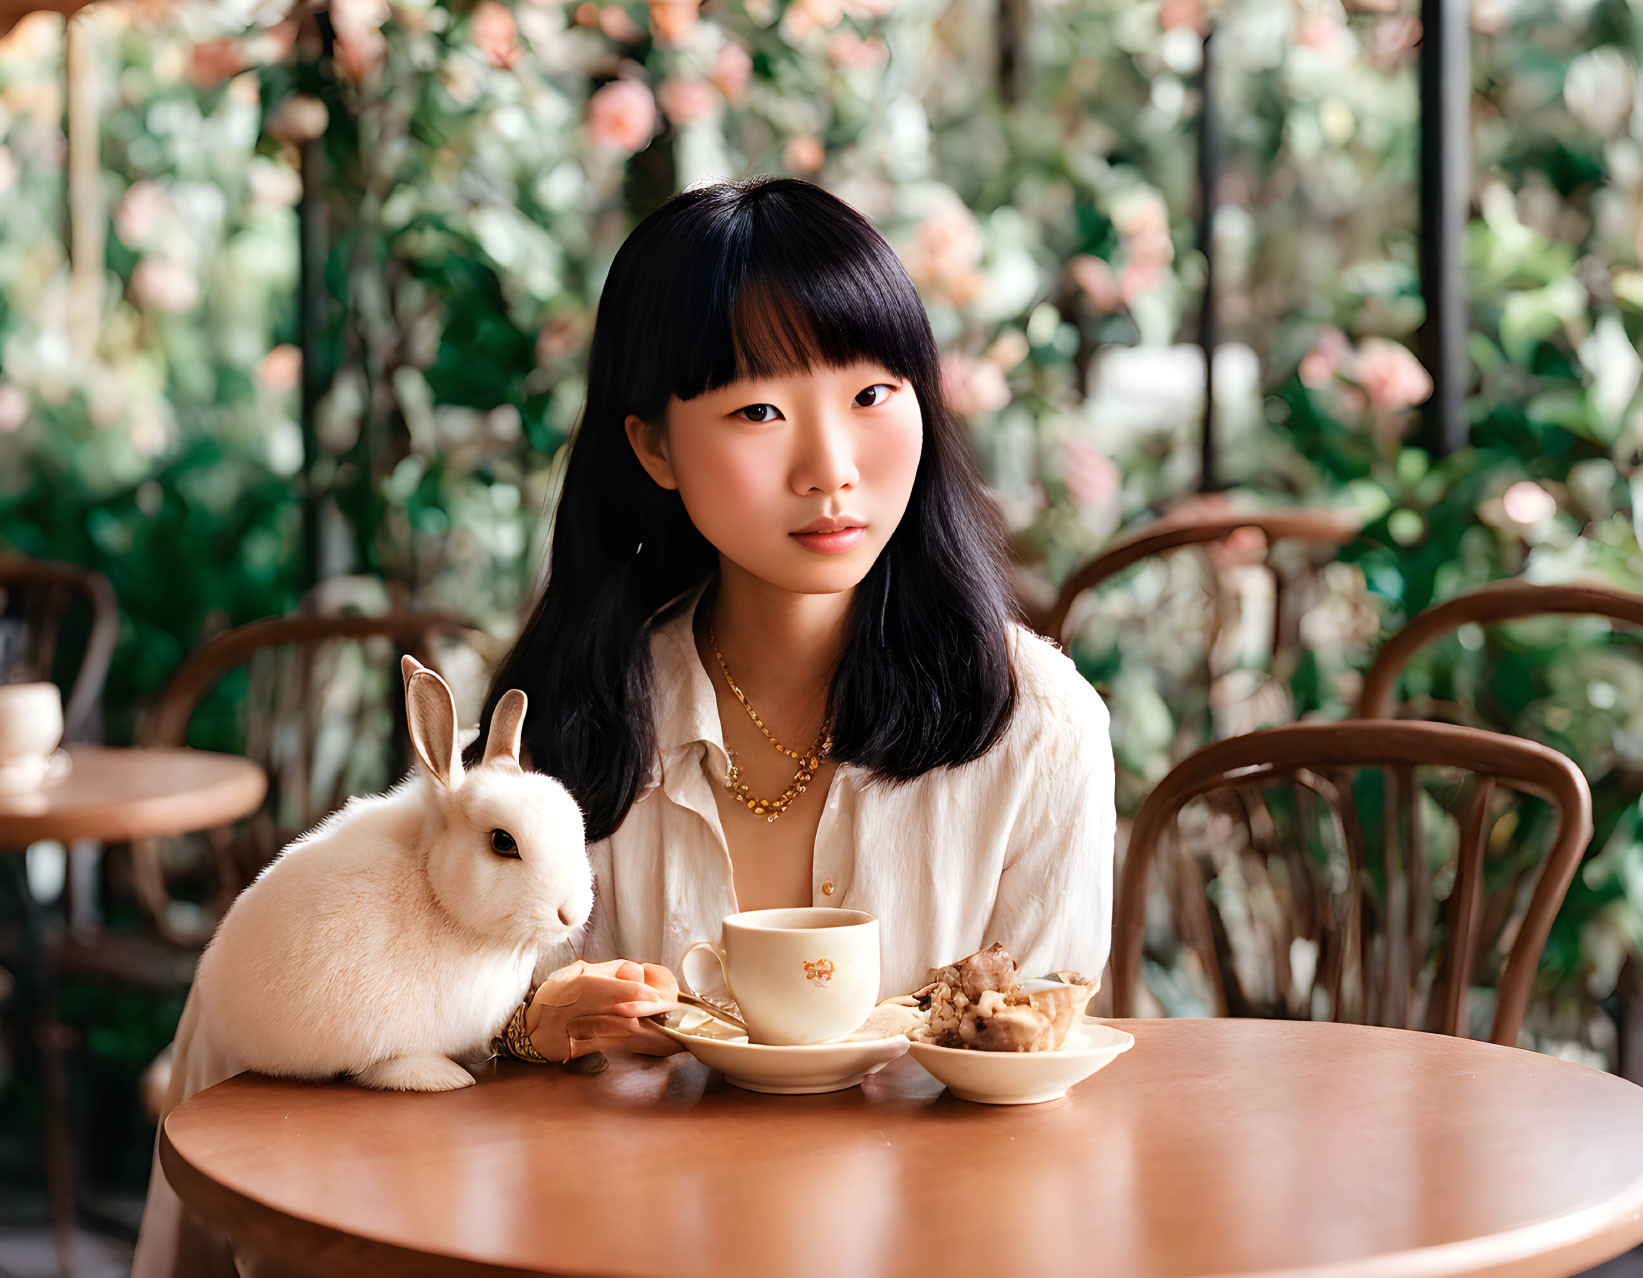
827 888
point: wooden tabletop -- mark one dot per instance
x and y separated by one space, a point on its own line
1213 1147
114 795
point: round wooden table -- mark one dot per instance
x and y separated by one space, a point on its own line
1213 1147
114 795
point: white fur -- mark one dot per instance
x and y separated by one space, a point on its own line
391 941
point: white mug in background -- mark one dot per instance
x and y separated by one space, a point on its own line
31 726
799 975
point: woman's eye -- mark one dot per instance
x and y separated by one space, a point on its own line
769 412
503 843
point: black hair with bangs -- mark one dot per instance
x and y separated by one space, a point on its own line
755 279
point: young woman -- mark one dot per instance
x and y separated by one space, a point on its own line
775 659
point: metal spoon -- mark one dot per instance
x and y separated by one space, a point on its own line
713 1010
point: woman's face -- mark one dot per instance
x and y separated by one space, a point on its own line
759 462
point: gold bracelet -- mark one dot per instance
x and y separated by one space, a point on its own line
516 1042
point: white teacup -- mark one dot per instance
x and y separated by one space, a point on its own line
31 723
801 975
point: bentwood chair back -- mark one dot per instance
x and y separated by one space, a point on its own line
44 636
1562 685
1310 917
1203 638
319 702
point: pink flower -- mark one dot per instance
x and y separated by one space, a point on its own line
214 61
495 34
1091 477
360 54
1139 275
1008 350
732 69
1175 14
281 369
973 386
803 154
1320 364
1393 39
1390 376
361 47
673 21
1094 276
1527 502
685 98
142 212
804 16
14 409
846 49
613 20
300 118
621 116
949 247
164 285
1318 33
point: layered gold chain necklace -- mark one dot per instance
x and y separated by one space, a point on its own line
809 760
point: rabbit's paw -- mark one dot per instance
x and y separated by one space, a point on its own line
415 1074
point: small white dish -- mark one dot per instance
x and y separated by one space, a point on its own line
798 1070
30 773
1024 1078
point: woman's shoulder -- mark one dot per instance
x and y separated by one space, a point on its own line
1051 694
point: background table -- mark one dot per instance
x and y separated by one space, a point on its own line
1212 1147
111 795
115 795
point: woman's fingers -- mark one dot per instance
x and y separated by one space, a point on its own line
598 993
614 1034
661 979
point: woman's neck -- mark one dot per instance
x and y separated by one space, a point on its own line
782 648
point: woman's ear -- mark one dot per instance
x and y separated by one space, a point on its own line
650 447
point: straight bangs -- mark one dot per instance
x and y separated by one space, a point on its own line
749 281
774 296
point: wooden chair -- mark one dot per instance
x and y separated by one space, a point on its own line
1507 601
37 597
1238 619
1329 528
321 707
1613 788
1368 927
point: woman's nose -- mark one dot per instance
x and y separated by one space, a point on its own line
826 460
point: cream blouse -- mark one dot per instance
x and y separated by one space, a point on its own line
1015 846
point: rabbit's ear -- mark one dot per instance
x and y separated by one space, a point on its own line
506 725
430 711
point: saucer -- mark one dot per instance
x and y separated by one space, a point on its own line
1024 1078
34 772
781 1071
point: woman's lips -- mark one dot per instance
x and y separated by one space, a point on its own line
831 543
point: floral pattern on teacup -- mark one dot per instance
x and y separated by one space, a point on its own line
821 971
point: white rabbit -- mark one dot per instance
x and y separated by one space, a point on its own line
395 938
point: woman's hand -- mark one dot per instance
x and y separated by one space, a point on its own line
597 1007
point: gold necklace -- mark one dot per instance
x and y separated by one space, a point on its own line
809 761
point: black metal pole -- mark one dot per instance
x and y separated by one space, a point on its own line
1209 168
311 315
1445 191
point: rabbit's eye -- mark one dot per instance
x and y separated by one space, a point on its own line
503 842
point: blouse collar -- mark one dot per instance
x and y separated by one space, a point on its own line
687 710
